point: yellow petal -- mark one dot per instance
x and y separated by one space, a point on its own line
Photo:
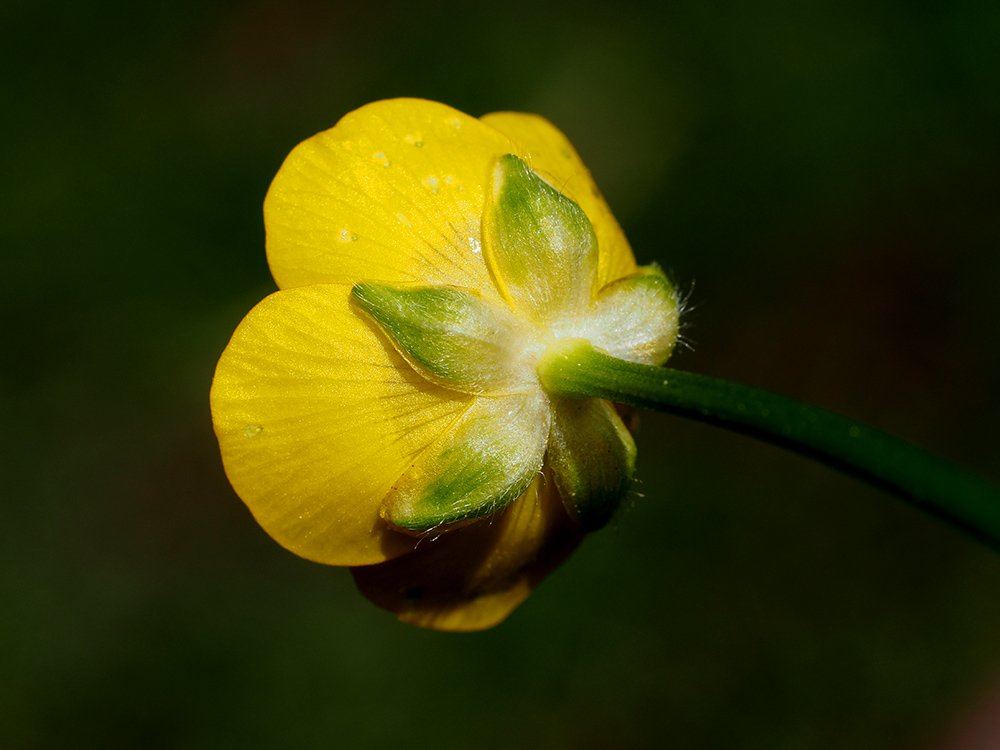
473 577
317 416
393 192
549 153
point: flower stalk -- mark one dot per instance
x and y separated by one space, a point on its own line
573 368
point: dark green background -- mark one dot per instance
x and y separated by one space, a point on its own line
822 177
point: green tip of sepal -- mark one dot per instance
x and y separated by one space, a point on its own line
476 468
592 457
451 336
474 487
539 243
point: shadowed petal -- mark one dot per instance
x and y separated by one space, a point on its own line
473 577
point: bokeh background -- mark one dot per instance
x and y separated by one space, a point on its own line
820 177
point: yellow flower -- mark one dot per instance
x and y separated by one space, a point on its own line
382 410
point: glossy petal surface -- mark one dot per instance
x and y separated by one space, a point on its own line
394 193
317 416
472 578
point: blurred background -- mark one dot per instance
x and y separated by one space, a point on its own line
821 178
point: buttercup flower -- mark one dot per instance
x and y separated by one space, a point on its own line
383 409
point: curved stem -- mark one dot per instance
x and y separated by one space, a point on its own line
575 369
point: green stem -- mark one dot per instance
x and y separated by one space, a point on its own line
577 370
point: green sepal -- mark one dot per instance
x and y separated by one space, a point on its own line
592 457
635 318
476 468
451 336
540 244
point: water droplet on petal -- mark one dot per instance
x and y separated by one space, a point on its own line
252 430
381 158
346 235
431 183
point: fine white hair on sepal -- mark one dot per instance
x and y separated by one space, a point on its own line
685 308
